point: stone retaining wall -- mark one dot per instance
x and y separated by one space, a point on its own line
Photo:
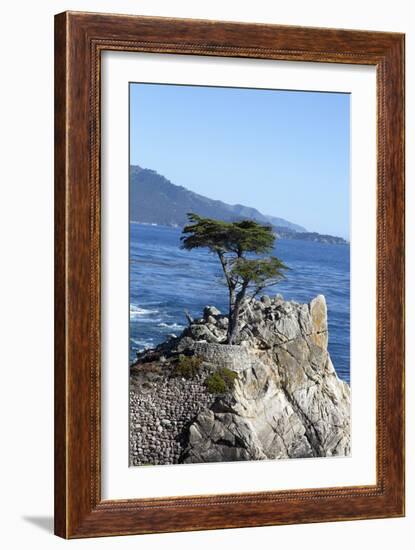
236 358
158 416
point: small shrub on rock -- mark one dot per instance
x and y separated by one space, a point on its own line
187 367
221 381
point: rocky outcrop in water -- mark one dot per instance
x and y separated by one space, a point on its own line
284 400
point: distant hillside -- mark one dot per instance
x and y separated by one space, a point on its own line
282 233
154 199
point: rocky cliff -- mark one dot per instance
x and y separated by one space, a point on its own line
274 395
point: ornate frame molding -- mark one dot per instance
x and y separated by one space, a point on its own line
79 40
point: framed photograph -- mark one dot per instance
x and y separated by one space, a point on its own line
229 275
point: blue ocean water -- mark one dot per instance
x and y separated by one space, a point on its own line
166 280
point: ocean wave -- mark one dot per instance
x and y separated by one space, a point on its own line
173 326
136 311
142 344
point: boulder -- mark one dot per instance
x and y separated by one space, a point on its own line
202 333
318 313
266 300
210 311
222 323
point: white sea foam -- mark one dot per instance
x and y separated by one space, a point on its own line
174 326
136 311
142 344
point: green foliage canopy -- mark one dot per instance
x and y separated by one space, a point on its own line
238 237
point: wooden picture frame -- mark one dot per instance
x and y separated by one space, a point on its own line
79 40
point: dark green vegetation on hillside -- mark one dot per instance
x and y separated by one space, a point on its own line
154 199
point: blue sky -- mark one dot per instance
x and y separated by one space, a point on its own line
285 153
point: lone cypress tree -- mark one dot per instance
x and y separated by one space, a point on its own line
236 244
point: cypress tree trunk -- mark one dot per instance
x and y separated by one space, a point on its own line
230 315
233 326
234 310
